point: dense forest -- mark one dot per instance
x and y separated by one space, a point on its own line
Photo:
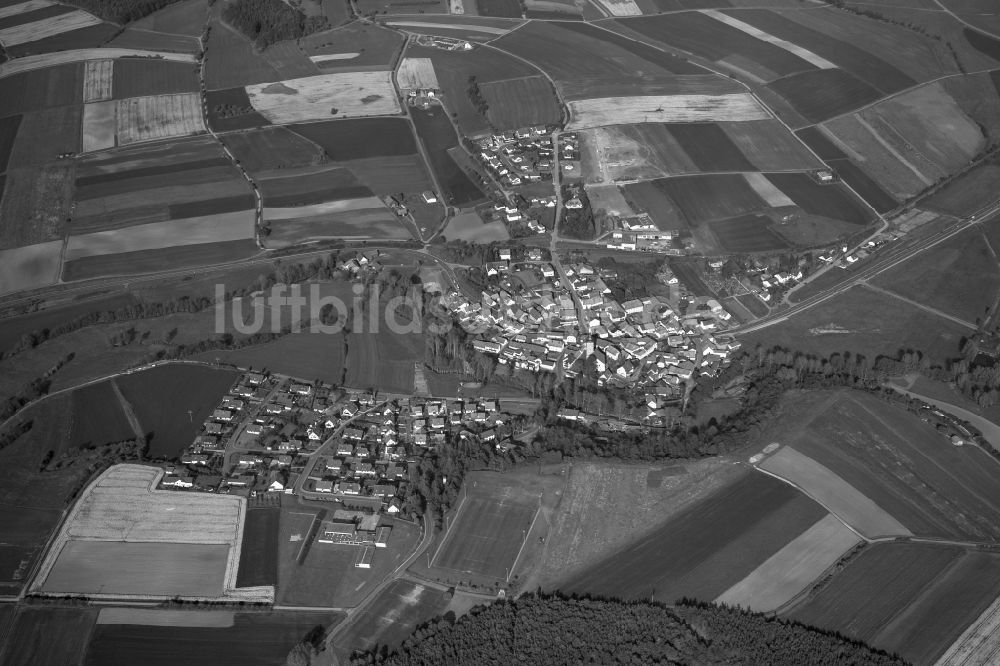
121 11
543 629
267 22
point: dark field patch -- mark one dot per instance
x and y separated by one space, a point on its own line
90 37
151 261
45 134
709 146
312 188
864 65
391 175
708 547
504 8
863 184
826 200
259 553
254 638
137 77
98 417
230 109
820 144
704 198
31 638
825 93
985 44
969 193
210 207
521 102
133 180
272 148
360 138
41 88
747 233
706 37
8 132
34 15
162 397
3 184
658 57
438 135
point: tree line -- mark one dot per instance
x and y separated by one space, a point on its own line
121 11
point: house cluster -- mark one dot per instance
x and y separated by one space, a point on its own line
443 43
518 157
355 528
639 233
542 326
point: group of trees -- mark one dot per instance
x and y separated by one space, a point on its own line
267 22
121 11
577 222
476 96
551 629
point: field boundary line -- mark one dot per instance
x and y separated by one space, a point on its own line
916 304
524 542
447 532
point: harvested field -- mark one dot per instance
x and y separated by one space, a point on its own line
259 554
30 636
362 138
135 77
805 54
82 38
901 463
391 175
231 60
633 152
272 148
967 194
29 267
486 536
704 198
793 568
959 277
521 102
45 135
152 261
340 95
162 396
97 80
309 186
847 502
416 74
238 225
71 57
823 94
99 122
46 26
657 108
435 130
711 545
36 203
767 191
831 201
158 117
770 146
876 157
264 637
230 109
875 587
747 233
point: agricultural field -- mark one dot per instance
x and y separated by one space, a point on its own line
842 440
29 266
158 260
416 74
179 18
372 7
486 536
189 391
326 96
272 148
302 187
597 112
259 552
209 638
850 173
823 94
705 198
746 233
30 638
303 355
354 45
521 102
32 26
44 135
436 132
967 194
158 117
293 226
832 201
361 138
961 277
231 61
98 80
135 77
36 203
385 359
470 227
98 417
706 548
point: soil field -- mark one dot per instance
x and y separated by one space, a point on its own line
30 639
272 148
230 109
360 138
163 396
36 203
876 587
438 135
670 108
830 201
707 548
747 233
704 198
343 95
59 85
770 146
486 536
706 37
135 77
521 102
253 638
391 175
356 45
259 553
826 93
708 145
967 194
153 261
901 463
230 59
985 44
98 417
306 356
960 277
646 196
391 617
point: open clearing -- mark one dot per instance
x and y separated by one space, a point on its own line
487 535
97 80
708 547
29 266
338 95
664 109
898 462
793 568
47 27
417 74
171 233
158 117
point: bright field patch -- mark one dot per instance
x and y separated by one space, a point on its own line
341 95
664 109
98 125
97 80
417 73
29 267
791 569
158 117
206 229
48 27
41 61
487 536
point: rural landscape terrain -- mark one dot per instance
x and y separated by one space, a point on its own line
499 331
